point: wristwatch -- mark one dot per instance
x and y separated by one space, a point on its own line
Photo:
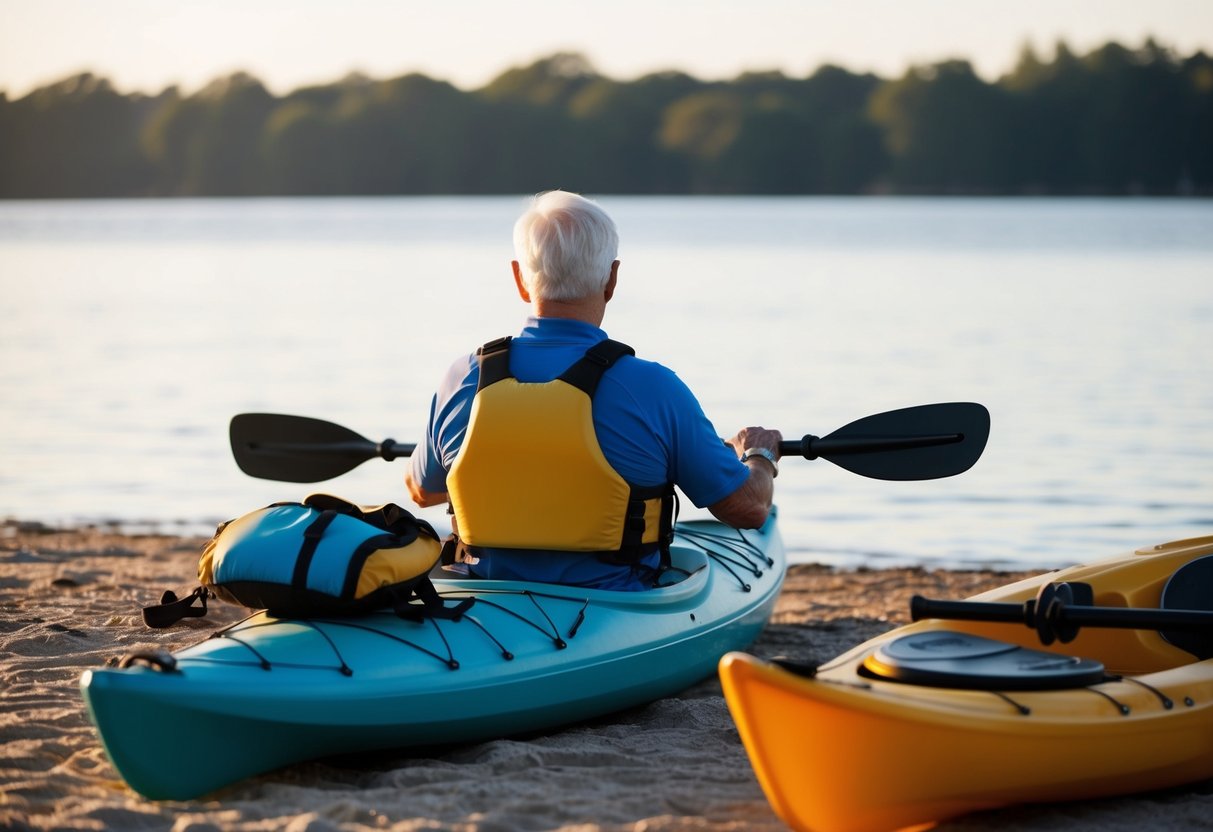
766 454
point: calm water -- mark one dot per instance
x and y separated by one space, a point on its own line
130 332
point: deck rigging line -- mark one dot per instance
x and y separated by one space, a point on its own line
1166 701
740 553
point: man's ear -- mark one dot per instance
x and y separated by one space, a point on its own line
522 292
609 292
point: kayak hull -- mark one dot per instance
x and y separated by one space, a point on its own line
844 752
525 657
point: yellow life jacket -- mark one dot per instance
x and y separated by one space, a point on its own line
531 474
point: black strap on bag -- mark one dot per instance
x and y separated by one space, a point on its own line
432 605
312 536
172 609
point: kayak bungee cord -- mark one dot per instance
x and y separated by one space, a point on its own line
450 660
505 651
748 555
1124 709
1166 701
228 634
551 631
1023 710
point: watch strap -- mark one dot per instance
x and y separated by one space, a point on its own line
766 454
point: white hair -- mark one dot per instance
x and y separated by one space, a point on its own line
565 245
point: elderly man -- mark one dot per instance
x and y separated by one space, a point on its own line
558 449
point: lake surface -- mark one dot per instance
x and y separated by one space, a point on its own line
131 331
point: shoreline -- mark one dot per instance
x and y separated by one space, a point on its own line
70 599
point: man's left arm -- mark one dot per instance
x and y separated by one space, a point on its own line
425 477
422 497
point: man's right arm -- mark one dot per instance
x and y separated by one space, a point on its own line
748 506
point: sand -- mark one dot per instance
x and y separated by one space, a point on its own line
70 600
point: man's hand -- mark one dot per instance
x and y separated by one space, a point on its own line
756 437
420 496
748 506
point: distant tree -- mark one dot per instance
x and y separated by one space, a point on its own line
549 82
229 161
775 151
77 137
170 140
623 121
535 141
849 146
409 135
1196 154
1114 121
302 152
210 143
1047 128
946 130
703 125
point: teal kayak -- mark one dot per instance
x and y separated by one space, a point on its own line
268 692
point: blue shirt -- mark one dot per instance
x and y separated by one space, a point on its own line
650 426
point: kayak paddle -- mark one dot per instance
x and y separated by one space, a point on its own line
1060 610
914 443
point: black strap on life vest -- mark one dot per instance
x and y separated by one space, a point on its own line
589 369
494 358
585 374
633 548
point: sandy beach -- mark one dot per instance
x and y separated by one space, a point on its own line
70 600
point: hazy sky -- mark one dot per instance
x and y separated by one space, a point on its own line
148 44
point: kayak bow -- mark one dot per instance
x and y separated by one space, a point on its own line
937 719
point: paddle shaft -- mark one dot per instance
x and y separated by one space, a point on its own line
388 449
812 447
1127 618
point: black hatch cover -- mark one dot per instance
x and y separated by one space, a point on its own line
946 659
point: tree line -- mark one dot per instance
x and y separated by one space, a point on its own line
1114 121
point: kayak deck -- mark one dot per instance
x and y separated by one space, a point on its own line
844 751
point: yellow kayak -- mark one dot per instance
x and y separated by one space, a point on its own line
940 718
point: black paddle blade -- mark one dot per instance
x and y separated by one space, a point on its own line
1188 589
273 446
926 442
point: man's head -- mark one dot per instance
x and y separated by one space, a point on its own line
565 245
